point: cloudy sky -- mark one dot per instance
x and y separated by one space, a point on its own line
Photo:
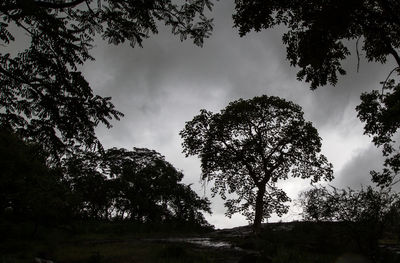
164 84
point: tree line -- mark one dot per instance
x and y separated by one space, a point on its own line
137 186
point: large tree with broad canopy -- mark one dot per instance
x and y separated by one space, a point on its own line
249 146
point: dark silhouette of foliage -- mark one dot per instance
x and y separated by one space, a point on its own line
380 110
44 97
318 30
137 185
249 146
367 204
29 190
367 212
316 42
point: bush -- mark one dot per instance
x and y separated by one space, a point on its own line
367 212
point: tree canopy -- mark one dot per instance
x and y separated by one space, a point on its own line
44 96
29 190
366 204
367 213
249 146
318 31
380 110
137 185
49 113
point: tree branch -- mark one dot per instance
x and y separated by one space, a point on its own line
393 52
387 78
58 4
358 55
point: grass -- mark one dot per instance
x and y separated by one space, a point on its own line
312 242
94 243
118 252
286 255
91 243
121 252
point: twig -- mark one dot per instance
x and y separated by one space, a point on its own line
358 55
387 78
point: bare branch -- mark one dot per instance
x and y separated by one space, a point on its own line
358 55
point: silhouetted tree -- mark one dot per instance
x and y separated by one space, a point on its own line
94 196
187 206
316 37
44 97
249 146
151 187
137 185
380 110
29 190
366 204
146 182
367 212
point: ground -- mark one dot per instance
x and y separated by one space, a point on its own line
278 243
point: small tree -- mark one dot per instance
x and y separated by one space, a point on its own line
249 146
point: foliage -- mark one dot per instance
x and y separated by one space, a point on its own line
249 146
137 185
367 212
380 111
44 96
316 38
348 205
29 190
46 101
317 42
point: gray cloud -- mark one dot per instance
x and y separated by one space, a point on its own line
356 171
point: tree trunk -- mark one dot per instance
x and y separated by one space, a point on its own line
259 209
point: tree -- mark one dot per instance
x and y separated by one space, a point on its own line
44 96
249 146
348 205
186 206
367 213
137 185
29 189
380 110
317 42
151 187
315 39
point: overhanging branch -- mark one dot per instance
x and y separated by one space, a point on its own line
58 4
